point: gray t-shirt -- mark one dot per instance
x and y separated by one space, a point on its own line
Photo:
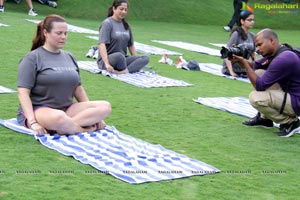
115 36
236 39
52 77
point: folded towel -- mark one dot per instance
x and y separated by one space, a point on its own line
143 79
127 158
191 47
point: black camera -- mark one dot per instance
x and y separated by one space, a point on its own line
240 50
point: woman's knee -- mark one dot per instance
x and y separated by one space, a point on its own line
104 107
146 59
50 117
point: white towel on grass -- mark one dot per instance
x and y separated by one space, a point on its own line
216 69
71 28
218 44
191 47
147 49
127 158
6 90
235 105
3 25
143 79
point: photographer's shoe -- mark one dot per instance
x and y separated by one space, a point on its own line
258 121
287 130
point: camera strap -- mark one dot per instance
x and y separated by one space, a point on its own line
284 47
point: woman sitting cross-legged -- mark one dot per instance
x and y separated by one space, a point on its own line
49 80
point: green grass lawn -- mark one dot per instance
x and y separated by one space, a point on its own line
255 163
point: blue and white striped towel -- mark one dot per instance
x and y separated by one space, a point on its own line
216 69
124 157
140 79
147 49
6 90
191 47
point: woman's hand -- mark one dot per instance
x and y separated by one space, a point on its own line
37 128
101 125
109 68
232 73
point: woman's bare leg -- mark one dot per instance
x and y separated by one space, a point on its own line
89 113
80 117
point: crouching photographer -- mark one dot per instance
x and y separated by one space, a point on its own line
241 43
276 83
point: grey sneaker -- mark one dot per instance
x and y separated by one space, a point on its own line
91 52
95 56
1 8
227 28
287 130
18 1
32 12
52 4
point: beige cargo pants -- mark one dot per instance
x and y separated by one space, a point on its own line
269 103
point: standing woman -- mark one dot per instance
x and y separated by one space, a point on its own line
241 36
115 37
48 80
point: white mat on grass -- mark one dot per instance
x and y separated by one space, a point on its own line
143 79
235 105
6 90
127 158
3 24
191 47
216 69
218 44
71 28
147 49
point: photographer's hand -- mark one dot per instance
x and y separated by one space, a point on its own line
240 60
248 68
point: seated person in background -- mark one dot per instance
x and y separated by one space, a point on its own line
276 84
115 37
240 36
48 82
